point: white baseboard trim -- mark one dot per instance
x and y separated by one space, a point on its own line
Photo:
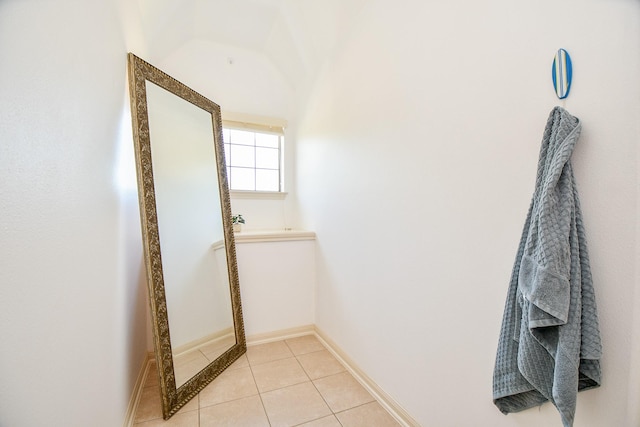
283 334
137 391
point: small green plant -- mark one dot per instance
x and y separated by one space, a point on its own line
237 219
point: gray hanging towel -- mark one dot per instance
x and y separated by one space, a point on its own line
549 346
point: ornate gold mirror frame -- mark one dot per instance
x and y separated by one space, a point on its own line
173 398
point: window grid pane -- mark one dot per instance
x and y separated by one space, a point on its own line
243 155
267 140
267 158
243 178
267 180
241 137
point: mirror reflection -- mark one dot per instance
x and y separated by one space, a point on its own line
190 229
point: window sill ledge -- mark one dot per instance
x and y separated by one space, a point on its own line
273 236
269 195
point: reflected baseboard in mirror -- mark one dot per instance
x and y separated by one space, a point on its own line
189 246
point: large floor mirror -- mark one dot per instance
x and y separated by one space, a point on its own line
187 232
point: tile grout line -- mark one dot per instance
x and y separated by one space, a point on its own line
314 384
258 390
199 418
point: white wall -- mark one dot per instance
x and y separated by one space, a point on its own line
277 283
416 163
71 299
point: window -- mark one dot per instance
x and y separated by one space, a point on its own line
254 157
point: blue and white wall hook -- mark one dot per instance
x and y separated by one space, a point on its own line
561 73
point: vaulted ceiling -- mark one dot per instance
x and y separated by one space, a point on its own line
295 35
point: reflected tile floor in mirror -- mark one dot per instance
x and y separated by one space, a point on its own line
294 382
188 363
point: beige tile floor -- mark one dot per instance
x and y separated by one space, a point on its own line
294 382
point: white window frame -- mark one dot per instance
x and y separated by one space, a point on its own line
260 127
